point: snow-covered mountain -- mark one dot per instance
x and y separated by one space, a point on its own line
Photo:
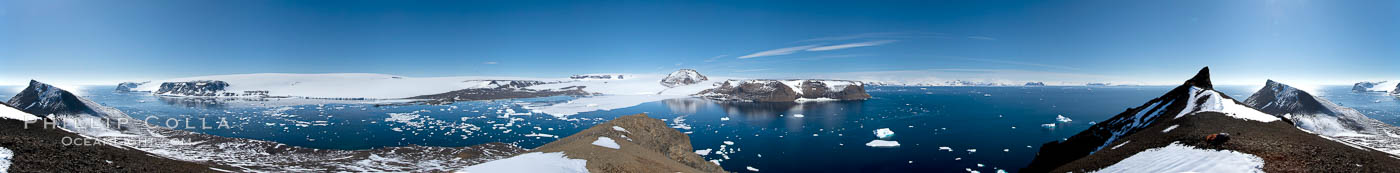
1192 128
1392 86
1323 117
70 111
767 90
683 77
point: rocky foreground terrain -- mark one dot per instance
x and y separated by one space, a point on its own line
1196 116
633 143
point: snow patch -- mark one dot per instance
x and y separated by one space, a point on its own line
12 113
1169 128
532 162
1182 158
606 142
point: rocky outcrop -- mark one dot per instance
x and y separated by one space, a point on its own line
129 86
193 88
501 89
683 77
1035 83
1187 115
785 90
643 144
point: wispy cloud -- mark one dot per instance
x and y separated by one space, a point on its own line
851 45
857 36
780 51
835 56
815 47
982 38
490 62
1023 63
713 59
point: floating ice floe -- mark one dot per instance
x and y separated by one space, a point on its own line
728 142
540 135
1062 118
750 168
797 115
703 152
1048 126
606 142
884 133
724 118
945 149
974 150
882 143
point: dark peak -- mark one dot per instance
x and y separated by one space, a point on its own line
1202 79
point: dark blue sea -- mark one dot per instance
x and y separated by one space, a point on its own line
1004 125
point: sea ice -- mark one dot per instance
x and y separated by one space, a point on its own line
1048 126
1062 118
882 143
750 168
884 133
797 115
703 152
945 149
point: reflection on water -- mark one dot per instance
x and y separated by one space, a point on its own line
685 105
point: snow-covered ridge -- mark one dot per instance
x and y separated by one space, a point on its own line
786 90
336 85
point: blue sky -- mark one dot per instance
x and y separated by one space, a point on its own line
1154 42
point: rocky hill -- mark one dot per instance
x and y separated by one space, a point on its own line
1318 115
1193 128
634 143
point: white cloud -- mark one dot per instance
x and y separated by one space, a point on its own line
712 59
982 38
490 62
775 52
851 45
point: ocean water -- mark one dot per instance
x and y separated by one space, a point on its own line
1004 125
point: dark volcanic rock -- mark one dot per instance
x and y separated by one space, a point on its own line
780 91
43 99
193 88
646 145
127 86
683 77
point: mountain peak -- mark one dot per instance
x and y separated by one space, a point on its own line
1201 80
